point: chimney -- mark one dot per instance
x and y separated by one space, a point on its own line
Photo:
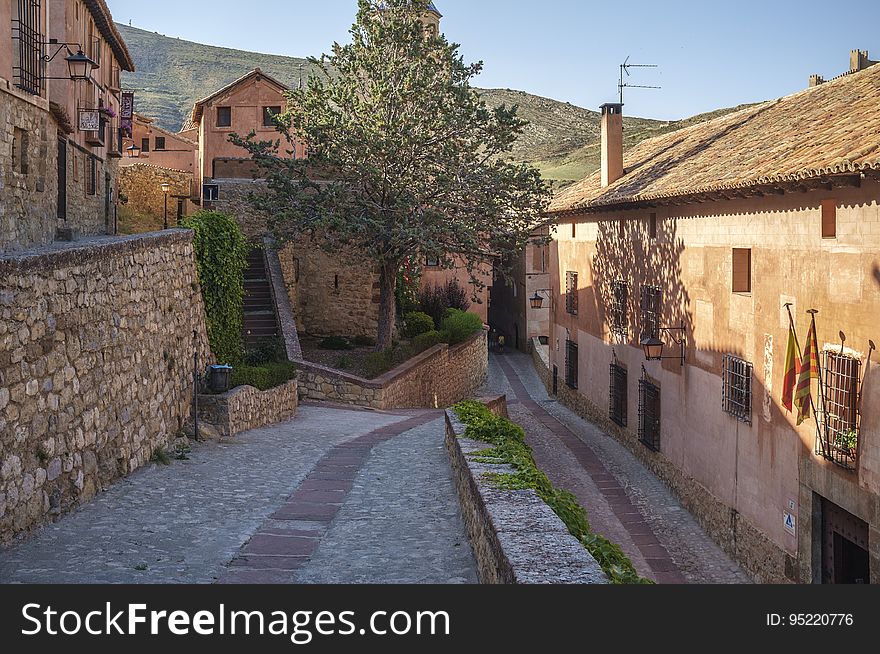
858 60
612 143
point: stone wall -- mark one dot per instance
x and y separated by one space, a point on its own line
516 537
437 378
245 408
142 184
761 558
28 165
96 360
87 213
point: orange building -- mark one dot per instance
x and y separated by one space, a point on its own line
60 64
702 240
158 147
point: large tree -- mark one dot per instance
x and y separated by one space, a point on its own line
404 157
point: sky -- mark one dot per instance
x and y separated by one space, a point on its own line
710 53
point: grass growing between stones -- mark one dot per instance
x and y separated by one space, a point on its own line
509 447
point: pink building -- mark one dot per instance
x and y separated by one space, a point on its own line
159 147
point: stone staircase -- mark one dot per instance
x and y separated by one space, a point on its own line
260 320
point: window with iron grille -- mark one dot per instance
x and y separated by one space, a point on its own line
839 410
650 312
649 414
619 301
737 388
27 37
571 292
618 394
571 364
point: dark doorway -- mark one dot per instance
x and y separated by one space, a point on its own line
108 203
62 180
516 337
845 557
555 380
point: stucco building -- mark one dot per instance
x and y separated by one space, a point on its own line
702 238
61 137
159 147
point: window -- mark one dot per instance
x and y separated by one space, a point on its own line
181 209
538 261
20 151
829 218
650 312
210 192
27 60
618 394
145 145
571 293
224 116
574 232
649 414
432 262
92 177
742 271
268 112
652 225
736 397
571 364
160 142
839 410
619 301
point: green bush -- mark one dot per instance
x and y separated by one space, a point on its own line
265 350
418 323
264 377
510 447
221 252
378 363
460 326
335 343
426 341
435 300
363 341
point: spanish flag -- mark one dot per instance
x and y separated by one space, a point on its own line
809 372
792 368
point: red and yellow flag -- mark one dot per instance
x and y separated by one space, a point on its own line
792 368
809 371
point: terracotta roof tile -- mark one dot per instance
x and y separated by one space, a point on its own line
830 129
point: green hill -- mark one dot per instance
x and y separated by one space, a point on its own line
562 140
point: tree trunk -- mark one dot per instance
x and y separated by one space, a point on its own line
387 305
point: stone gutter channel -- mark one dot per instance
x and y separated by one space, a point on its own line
516 537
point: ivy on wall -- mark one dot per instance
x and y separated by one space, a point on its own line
221 253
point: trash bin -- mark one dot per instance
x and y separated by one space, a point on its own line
219 377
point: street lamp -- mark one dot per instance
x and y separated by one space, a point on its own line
537 301
79 65
165 188
133 151
653 346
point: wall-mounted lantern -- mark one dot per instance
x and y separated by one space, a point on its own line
537 301
79 65
133 151
654 346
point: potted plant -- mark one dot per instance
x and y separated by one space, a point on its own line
847 441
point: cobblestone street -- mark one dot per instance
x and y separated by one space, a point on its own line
625 502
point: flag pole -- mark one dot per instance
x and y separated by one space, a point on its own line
797 344
812 313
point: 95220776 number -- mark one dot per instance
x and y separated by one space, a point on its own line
810 620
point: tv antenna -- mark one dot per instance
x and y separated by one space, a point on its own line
624 68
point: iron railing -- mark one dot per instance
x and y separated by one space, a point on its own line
618 394
838 419
27 65
736 398
649 414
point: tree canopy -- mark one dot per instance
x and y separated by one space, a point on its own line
404 157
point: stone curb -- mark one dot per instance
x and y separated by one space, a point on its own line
516 537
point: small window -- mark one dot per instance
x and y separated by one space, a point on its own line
619 302
652 226
432 262
571 293
650 312
742 271
649 414
224 116
181 209
92 177
574 230
737 388
20 151
268 112
829 218
211 192
145 145
571 364
618 394
160 142
538 260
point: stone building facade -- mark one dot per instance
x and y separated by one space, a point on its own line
97 345
140 189
700 239
60 172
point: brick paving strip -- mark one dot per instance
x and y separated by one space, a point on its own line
664 569
287 540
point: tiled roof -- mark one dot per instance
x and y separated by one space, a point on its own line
104 21
830 129
151 121
199 106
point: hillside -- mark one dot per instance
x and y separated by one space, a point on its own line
562 140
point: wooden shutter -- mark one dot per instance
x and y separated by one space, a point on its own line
742 271
829 219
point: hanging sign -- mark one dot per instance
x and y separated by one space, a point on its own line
89 120
126 105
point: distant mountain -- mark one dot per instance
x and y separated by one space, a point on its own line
562 140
